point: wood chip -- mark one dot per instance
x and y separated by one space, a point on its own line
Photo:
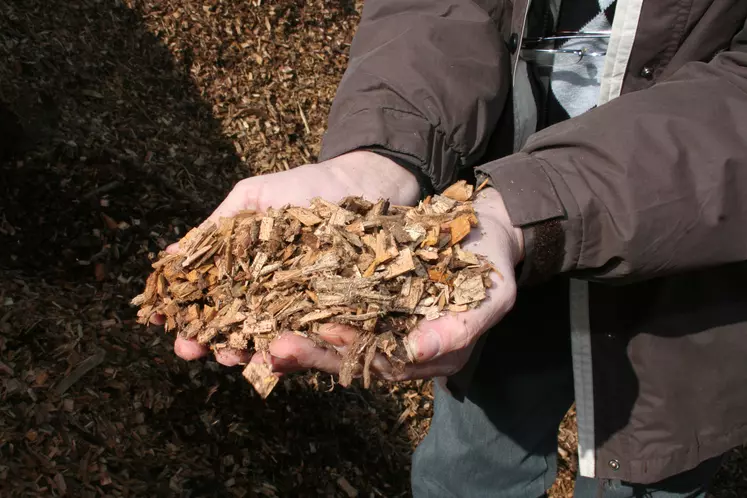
401 265
261 378
468 289
460 228
265 228
460 191
347 487
305 216
82 369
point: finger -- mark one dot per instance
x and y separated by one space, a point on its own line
232 357
382 367
432 339
292 352
342 336
337 334
440 367
189 350
157 319
239 199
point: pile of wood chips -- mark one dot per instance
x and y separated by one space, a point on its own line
378 267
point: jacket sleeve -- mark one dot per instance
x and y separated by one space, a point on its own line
426 81
651 183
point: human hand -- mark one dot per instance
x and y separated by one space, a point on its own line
357 173
439 347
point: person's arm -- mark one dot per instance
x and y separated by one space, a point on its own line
425 85
649 184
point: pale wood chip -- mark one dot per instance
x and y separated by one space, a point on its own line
265 229
204 336
261 377
468 289
332 299
286 275
427 254
299 305
315 316
408 302
387 343
459 191
406 286
305 216
237 340
192 313
370 324
195 256
465 258
259 262
402 264
262 327
384 249
429 312
267 269
341 217
358 318
368 359
416 231
327 262
343 285
441 204
378 209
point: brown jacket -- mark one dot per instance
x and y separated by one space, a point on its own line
640 203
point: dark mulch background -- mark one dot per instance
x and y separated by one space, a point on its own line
122 124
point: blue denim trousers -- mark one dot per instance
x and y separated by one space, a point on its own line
500 440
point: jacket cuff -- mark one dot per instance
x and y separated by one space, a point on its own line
407 136
539 202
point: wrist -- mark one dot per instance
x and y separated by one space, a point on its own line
490 203
375 176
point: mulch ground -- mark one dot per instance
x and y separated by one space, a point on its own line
123 123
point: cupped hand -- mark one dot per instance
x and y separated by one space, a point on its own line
357 173
438 347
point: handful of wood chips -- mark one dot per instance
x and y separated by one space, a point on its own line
381 268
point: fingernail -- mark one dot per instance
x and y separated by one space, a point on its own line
329 334
424 346
324 328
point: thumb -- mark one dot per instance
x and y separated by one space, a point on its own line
433 339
